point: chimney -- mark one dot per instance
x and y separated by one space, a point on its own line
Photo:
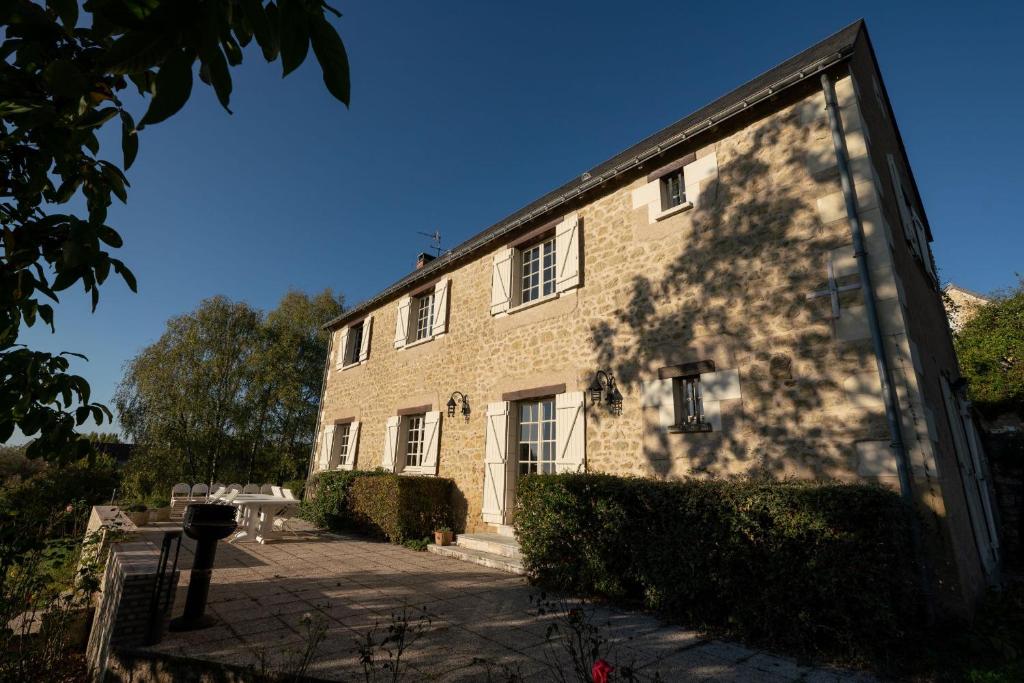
423 259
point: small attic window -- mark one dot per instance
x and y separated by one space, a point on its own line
673 190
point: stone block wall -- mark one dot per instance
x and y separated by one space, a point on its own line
123 612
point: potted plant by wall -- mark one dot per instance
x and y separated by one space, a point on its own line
443 535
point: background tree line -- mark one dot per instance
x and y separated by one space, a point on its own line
227 393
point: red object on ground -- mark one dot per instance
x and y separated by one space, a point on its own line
600 671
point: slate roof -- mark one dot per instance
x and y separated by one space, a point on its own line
794 70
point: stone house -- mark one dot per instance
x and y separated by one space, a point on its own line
709 272
961 304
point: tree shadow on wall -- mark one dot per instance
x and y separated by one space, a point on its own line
754 249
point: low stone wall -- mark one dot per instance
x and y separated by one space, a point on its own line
142 666
125 607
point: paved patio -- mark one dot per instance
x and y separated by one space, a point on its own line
482 623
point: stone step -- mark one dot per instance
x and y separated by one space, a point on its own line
505 564
496 544
505 530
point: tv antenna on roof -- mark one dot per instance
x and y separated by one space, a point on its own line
435 240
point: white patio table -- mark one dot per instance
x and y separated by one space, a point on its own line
250 506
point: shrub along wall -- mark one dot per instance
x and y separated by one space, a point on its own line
400 508
326 502
814 568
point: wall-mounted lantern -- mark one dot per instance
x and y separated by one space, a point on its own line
463 399
604 383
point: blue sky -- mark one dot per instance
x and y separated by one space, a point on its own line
462 112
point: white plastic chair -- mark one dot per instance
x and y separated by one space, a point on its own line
180 498
228 497
251 488
235 487
287 493
267 490
200 492
219 485
276 491
218 493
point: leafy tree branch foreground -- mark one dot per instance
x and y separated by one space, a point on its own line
64 70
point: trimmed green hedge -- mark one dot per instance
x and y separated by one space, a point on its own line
400 508
326 502
813 568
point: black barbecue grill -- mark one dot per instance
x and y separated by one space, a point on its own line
207 523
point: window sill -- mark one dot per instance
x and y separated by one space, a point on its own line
352 365
415 472
419 342
535 302
696 428
685 206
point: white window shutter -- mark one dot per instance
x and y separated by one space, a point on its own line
326 447
567 252
402 323
441 306
387 460
495 457
659 393
353 444
431 441
364 346
897 184
570 433
340 340
501 281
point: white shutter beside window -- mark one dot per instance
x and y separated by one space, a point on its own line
353 443
501 282
897 184
340 341
659 393
495 456
431 441
570 433
441 306
326 446
402 323
567 251
364 346
387 460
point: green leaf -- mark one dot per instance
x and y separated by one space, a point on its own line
136 51
219 75
109 236
94 118
173 88
122 270
330 52
294 29
129 139
67 10
65 79
260 24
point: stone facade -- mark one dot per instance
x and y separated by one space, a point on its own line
755 273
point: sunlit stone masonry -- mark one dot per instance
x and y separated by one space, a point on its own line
709 273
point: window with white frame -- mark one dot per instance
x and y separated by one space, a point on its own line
673 190
424 316
341 443
414 433
689 405
536 437
354 343
537 271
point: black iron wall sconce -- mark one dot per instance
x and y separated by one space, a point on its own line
604 383
463 399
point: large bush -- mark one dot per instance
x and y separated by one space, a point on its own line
990 346
326 503
813 568
400 508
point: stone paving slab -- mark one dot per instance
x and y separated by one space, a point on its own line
483 624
